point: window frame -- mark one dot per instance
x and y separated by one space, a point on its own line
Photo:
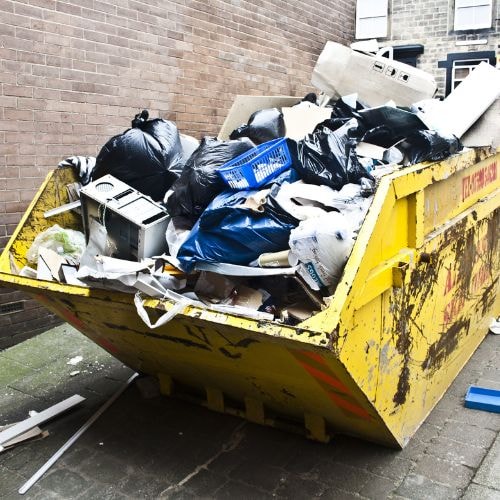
450 63
472 4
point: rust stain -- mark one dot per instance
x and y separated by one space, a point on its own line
447 343
403 386
407 303
167 338
488 298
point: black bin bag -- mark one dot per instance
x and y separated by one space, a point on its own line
264 125
200 181
147 156
429 145
328 157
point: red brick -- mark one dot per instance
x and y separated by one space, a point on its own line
20 160
8 101
10 172
46 94
31 57
6 6
6 149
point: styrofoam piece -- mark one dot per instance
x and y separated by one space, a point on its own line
482 398
463 107
341 70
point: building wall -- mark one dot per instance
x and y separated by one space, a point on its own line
73 73
430 22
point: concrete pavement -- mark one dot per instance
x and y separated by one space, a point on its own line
165 448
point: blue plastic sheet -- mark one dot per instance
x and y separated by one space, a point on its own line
231 233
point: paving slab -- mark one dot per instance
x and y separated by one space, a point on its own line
478 492
489 472
160 447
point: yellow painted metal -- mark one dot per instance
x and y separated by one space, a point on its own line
414 302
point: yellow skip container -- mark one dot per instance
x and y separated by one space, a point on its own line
415 300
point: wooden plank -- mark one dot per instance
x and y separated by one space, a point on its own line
25 425
31 434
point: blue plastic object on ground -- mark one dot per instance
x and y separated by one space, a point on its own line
257 166
481 398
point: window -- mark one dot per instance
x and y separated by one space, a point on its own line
473 14
408 54
459 65
461 69
371 18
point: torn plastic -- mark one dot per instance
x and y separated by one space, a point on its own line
181 301
347 107
387 125
147 156
230 232
385 155
128 276
263 126
189 145
328 157
83 164
99 269
310 97
200 181
178 230
305 201
66 242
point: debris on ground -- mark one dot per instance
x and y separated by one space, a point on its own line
75 360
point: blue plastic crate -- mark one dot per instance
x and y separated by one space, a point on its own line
257 166
482 398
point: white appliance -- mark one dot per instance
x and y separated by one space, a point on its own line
135 224
341 71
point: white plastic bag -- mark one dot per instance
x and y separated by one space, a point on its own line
305 201
178 230
321 247
66 242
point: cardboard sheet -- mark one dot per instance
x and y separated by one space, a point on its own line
486 131
245 105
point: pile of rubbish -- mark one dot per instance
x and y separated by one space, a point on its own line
259 223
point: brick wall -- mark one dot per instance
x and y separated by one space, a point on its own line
73 73
430 22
